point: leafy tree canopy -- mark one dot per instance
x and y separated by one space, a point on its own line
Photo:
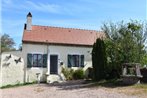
7 43
125 43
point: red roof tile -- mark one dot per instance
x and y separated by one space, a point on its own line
58 35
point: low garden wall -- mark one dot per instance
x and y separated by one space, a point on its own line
11 69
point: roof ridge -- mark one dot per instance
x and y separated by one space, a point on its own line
68 28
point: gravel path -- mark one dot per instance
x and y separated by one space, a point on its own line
61 91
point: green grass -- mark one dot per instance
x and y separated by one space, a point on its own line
114 83
109 83
17 85
118 86
140 86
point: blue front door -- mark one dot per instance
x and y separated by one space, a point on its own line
53 64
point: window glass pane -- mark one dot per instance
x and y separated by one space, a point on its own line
76 60
34 60
72 61
39 60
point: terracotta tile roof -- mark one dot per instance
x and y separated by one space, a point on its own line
63 36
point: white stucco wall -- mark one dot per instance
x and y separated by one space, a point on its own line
30 73
61 51
11 72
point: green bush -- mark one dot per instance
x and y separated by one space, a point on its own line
78 74
68 73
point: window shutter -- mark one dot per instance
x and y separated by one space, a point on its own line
29 60
44 60
82 61
69 57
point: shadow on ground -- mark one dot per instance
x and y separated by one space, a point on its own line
77 84
74 84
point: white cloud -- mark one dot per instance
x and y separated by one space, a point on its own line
53 8
68 8
8 5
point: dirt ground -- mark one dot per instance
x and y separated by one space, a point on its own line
70 90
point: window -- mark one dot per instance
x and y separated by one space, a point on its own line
37 60
75 60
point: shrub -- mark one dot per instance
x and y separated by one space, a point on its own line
68 73
144 74
78 74
99 60
90 73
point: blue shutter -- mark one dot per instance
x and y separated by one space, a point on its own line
44 60
29 60
69 57
82 60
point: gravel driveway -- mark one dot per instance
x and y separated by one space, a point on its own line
64 90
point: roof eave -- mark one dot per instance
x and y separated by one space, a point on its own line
60 44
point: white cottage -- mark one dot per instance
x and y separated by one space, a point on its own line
45 49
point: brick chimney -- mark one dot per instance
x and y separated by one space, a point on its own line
29 22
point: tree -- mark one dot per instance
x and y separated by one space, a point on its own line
20 47
99 60
144 60
125 43
7 43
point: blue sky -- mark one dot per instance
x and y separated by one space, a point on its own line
85 14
